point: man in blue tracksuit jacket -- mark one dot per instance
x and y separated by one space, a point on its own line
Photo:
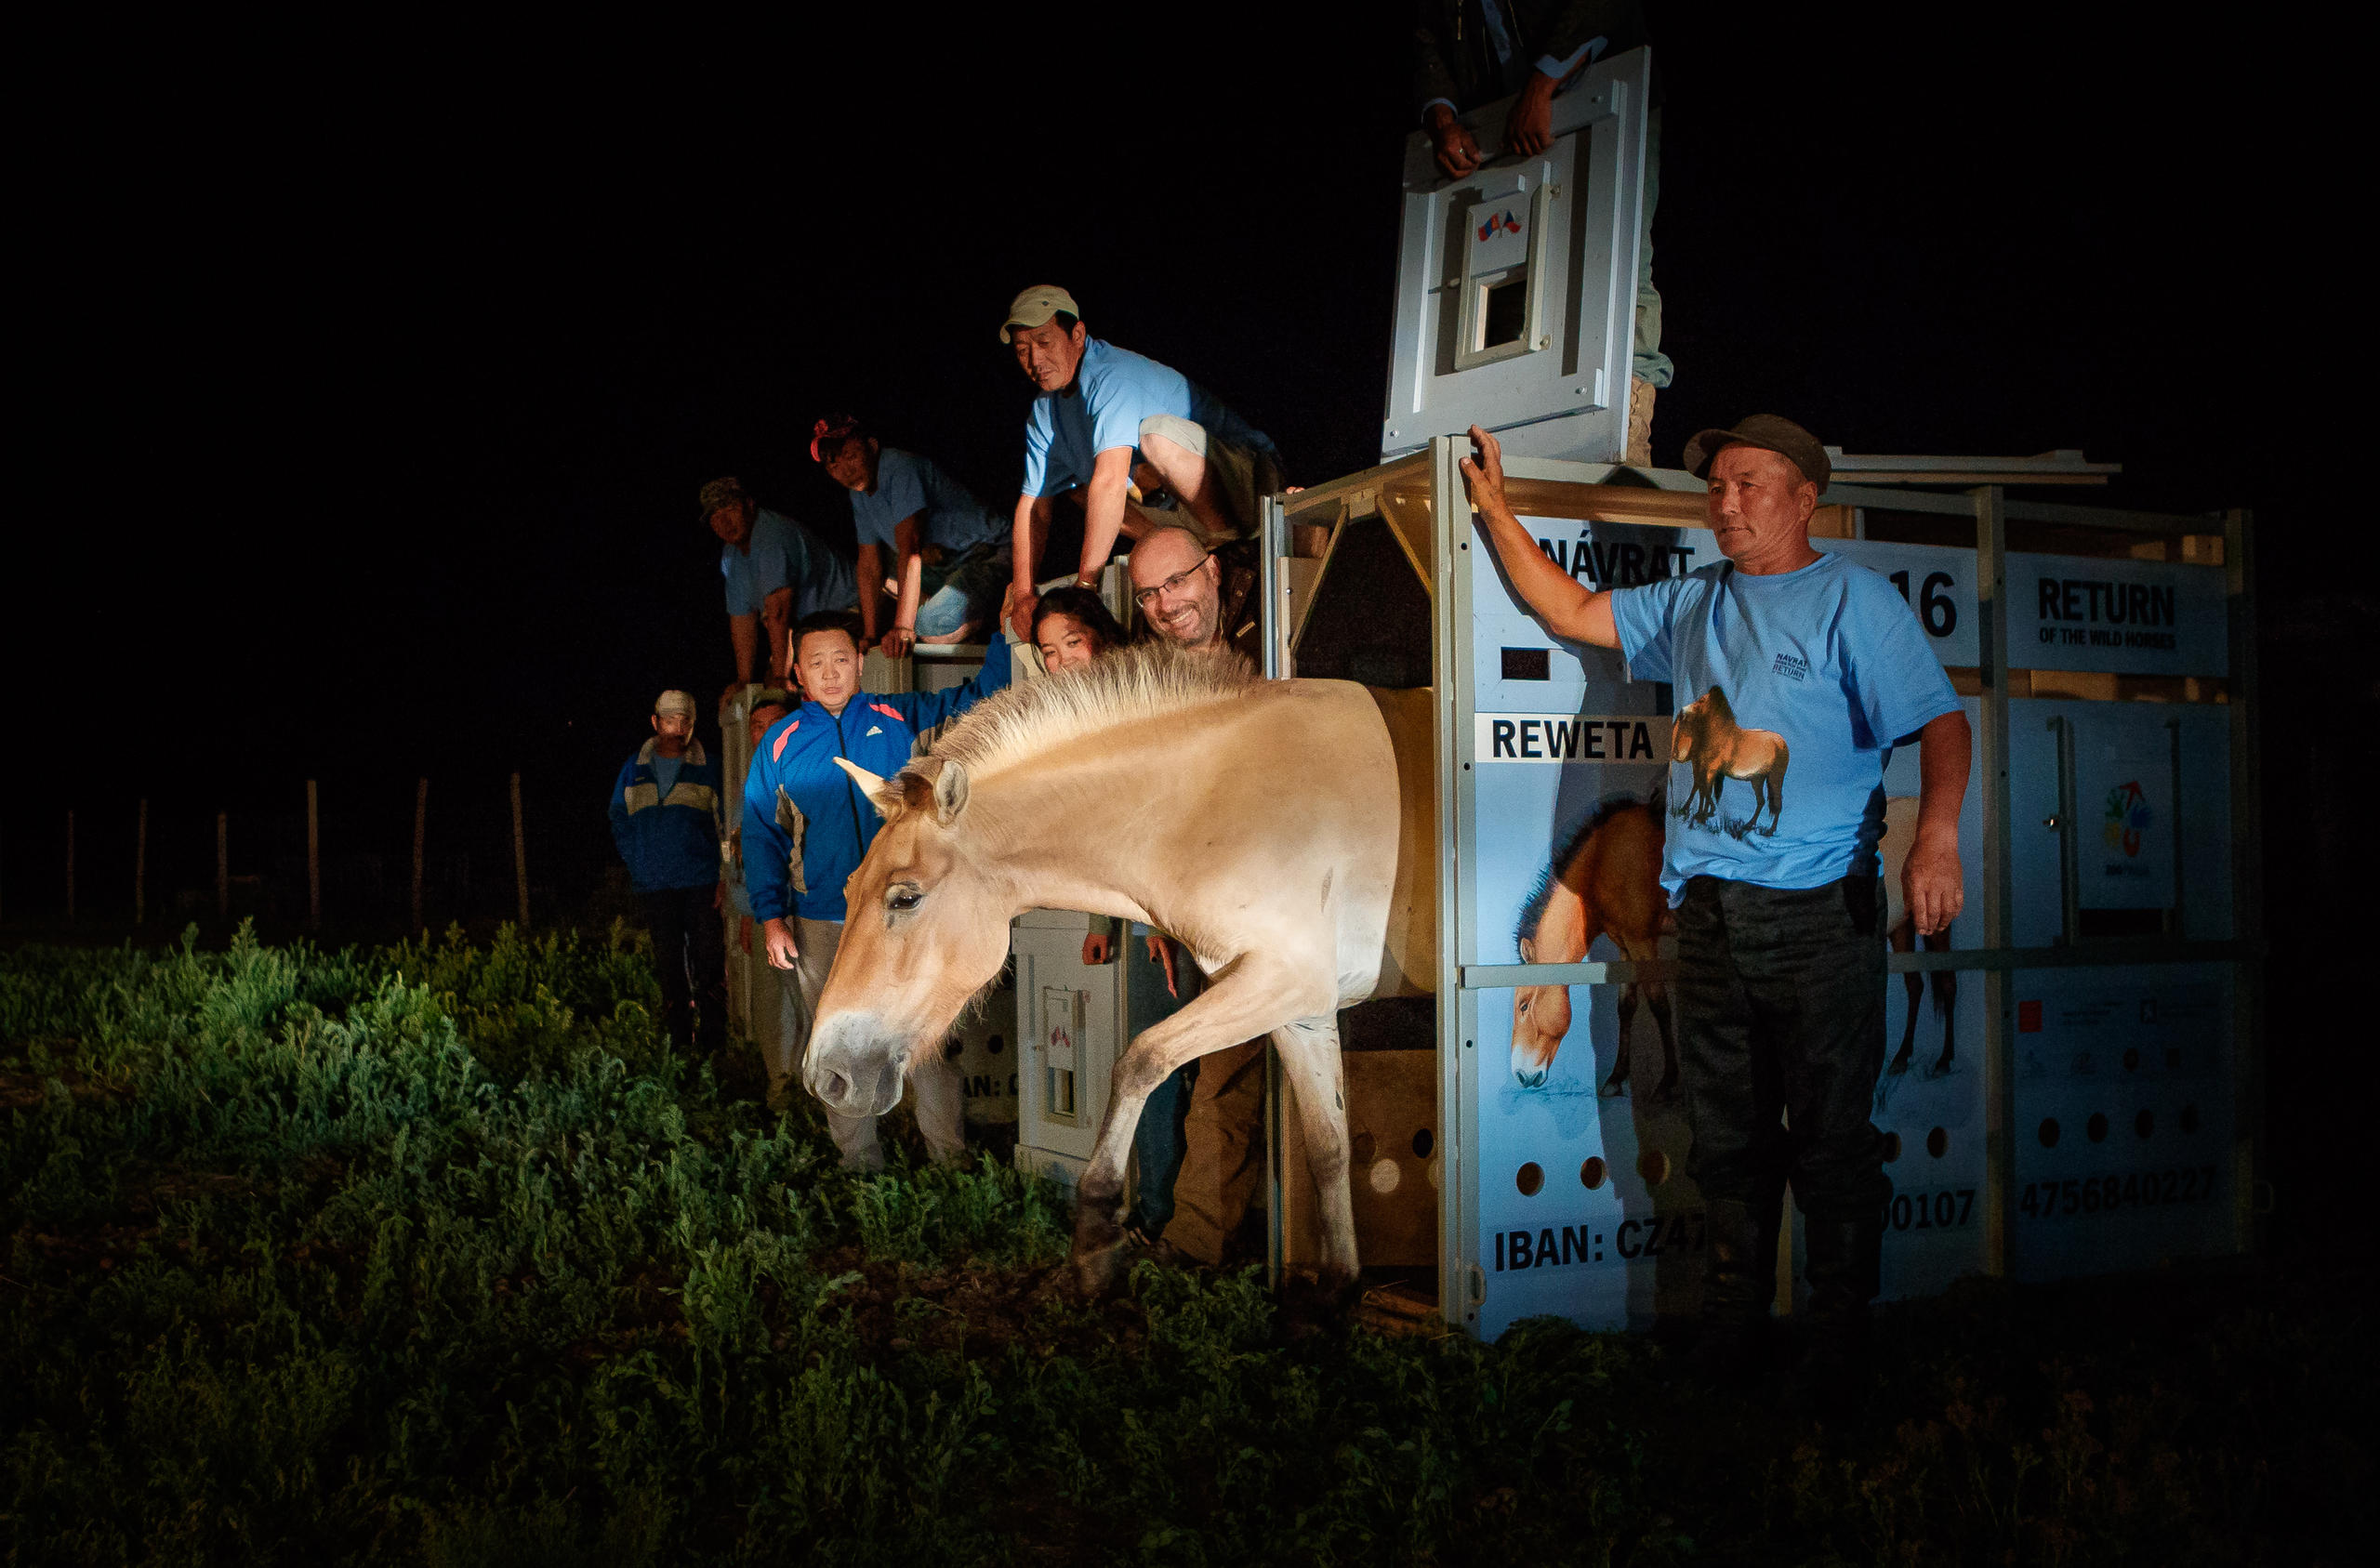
806 826
666 819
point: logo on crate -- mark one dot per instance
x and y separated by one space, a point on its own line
2128 817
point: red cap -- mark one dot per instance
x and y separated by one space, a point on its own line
835 427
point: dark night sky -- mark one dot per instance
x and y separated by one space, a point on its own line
368 403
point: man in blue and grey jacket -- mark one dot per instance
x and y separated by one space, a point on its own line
806 829
666 819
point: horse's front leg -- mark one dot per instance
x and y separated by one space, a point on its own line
1617 1084
1317 1076
1243 1001
1945 1000
1900 939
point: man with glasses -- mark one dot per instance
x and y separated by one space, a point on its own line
1184 593
1187 595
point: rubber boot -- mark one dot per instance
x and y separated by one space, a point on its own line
1640 424
1845 1261
1739 1279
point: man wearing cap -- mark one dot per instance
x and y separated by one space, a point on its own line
1097 404
945 551
1796 673
777 572
666 821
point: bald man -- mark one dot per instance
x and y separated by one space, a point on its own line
1187 597
1191 597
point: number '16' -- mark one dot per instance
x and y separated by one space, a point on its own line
1941 614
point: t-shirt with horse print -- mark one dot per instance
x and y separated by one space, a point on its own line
1792 690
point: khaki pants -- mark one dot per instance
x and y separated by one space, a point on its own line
1223 1152
934 1088
1241 477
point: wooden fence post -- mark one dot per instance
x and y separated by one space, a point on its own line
69 868
313 862
420 821
223 866
140 867
520 856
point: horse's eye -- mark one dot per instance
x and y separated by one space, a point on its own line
904 899
1523 1007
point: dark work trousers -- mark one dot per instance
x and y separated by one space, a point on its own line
688 940
1781 1008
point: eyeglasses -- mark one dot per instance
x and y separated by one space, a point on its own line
1146 597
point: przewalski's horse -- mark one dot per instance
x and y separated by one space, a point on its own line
1275 828
1901 930
1606 880
1708 738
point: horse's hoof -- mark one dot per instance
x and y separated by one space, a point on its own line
1097 1275
1311 1304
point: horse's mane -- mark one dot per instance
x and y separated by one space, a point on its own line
1533 911
1030 719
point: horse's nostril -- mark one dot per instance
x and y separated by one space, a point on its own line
838 1087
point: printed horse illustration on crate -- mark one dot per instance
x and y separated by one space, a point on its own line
1901 930
1605 881
1280 830
1708 739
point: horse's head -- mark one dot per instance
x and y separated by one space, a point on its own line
1541 1019
925 932
1686 730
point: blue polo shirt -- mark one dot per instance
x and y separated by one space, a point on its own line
781 554
1113 391
908 485
1827 660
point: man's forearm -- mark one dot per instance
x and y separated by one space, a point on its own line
777 619
1028 533
1945 750
1568 607
871 587
744 633
1102 520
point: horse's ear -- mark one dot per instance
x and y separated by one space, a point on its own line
886 800
1528 950
949 792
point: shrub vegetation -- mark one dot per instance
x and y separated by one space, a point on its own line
437 1253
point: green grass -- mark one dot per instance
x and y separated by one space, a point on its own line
438 1254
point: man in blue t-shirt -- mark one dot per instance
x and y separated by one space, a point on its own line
945 551
1796 674
1100 405
777 572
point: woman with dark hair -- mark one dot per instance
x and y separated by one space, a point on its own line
1072 627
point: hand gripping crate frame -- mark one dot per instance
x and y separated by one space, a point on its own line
2101 1106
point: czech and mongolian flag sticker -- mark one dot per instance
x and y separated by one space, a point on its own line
1502 220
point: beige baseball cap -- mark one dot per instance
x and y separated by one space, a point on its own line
1036 305
674 701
